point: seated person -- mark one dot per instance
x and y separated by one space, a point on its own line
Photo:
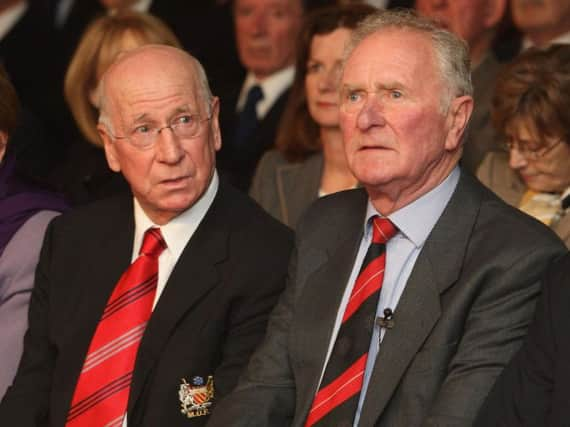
25 211
531 110
309 160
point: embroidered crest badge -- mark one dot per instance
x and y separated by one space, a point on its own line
196 397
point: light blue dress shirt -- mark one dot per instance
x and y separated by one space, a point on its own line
415 222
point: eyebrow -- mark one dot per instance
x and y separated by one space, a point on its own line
182 109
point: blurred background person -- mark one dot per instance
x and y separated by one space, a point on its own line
266 33
309 160
204 28
543 22
84 175
27 51
478 23
25 211
531 111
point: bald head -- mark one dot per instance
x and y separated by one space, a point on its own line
142 67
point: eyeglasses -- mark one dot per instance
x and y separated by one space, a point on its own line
144 136
530 153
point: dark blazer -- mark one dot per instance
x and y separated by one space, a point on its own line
238 164
210 316
533 389
286 189
462 315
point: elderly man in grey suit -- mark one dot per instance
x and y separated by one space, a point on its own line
408 296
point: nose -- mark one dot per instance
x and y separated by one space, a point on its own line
516 159
168 147
371 114
259 23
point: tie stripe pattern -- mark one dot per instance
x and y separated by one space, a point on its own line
102 391
336 401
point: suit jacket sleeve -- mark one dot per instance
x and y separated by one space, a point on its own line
26 402
495 327
265 395
524 394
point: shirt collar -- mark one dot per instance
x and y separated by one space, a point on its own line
416 220
180 229
272 87
10 17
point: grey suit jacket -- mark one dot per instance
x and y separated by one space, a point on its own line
496 174
286 189
463 313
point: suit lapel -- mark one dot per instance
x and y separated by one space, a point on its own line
419 308
195 273
324 289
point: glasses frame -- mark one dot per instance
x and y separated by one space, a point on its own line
156 132
531 154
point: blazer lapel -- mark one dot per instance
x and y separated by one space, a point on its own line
320 299
419 308
110 257
193 276
298 186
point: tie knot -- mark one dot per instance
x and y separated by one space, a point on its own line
382 230
153 243
254 95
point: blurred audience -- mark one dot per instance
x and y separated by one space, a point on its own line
477 22
309 160
27 51
84 175
203 27
542 22
531 111
25 211
266 34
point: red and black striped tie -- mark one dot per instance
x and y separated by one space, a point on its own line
336 401
102 391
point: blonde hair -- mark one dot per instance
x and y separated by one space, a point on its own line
97 49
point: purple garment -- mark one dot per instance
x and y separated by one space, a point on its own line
19 201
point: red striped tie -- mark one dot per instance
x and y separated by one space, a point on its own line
102 391
337 399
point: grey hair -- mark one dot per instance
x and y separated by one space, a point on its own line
451 52
205 93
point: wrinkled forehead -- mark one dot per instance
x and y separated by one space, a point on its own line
153 98
390 50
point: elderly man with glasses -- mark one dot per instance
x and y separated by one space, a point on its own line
146 308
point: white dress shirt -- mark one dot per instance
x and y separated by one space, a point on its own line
272 87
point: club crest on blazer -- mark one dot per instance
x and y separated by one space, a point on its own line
196 397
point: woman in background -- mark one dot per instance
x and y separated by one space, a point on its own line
531 110
309 160
85 175
25 212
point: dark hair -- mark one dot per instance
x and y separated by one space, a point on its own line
298 135
535 87
9 104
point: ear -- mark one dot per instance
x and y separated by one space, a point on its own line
494 12
215 123
110 148
458 116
